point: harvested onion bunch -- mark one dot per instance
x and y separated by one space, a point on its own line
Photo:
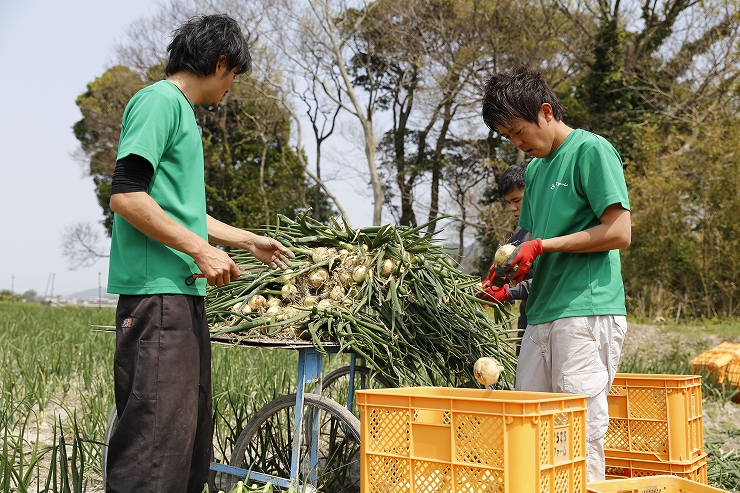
387 293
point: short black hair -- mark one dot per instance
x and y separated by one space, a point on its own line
518 94
510 179
198 44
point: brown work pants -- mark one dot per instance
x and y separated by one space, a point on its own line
162 367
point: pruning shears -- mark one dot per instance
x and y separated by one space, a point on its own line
190 280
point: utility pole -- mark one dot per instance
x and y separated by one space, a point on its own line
53 277
46 291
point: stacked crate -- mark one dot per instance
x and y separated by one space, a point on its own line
722 363
652 484
655 427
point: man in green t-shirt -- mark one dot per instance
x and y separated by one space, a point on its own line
577 209
161 260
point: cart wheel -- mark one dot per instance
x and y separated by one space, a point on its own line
266 444
335 385
112 423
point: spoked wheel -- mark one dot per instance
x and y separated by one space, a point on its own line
265 446
112 423
336 384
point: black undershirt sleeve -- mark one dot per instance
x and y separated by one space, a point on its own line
133 173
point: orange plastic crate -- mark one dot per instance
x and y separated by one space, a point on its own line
652 484
717 359
695 470
733 377
439 439
655 417
723 362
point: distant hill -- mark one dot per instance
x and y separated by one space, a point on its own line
91 293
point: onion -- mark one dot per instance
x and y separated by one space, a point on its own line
257 301
345 277
337 293
241 307
289 291
286 277
319 254
324 304
310 301
291 312
359 273
503 253
486 370
351 261
274 311
274 302
318 277
387 267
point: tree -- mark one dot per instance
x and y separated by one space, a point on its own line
81 245
7 295
98 131
662 91
244 148
317 44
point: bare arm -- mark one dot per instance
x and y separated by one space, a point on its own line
614 232
264 249
144 214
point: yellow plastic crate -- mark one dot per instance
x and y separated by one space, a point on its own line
733 377
652 484
655 417
438 439
695 470
717 359
723 361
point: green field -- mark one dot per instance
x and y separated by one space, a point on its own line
56 390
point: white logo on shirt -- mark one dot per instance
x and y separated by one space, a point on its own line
557 184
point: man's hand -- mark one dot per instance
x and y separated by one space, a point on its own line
265 249
521 260
216 265
495 277
498 294
271 252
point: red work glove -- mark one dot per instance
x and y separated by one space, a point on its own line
495 277
495 293
521 260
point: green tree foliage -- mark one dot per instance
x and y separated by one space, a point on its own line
251 171
8 295
685 255
658 85
98 131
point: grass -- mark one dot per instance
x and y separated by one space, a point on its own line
56 389
729 328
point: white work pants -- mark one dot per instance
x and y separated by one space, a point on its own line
577 355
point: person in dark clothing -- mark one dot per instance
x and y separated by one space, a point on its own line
511 189
162 257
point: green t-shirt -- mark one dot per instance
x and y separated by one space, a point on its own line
159 124
567 192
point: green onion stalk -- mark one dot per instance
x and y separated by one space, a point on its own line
390 294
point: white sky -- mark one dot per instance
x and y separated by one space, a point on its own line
49 51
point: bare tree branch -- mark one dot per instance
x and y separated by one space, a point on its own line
80 244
